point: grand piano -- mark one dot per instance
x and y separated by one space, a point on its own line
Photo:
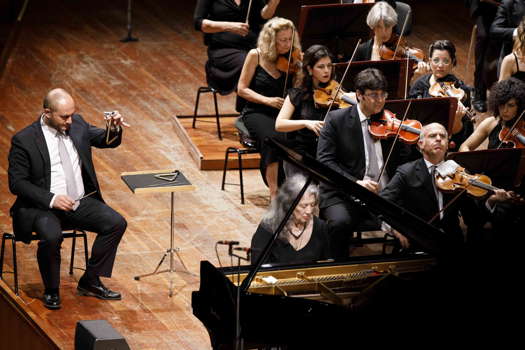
400 299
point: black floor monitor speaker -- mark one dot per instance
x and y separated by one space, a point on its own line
98 335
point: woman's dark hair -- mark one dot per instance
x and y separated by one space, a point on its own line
371 79
445 45
311 56
503 91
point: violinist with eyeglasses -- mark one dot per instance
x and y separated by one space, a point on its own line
347 146
441 82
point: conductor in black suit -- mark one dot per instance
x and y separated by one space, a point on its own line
413 187
52 174
346 145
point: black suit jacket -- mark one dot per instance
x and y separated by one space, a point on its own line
29 170
508 17
341 148
411 188
364 51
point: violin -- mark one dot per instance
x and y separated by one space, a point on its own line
450 177
391 49
290 65
448 89
326 96
514 136
388 125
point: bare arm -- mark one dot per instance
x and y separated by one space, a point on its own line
269 10
478 136
247 74
507 67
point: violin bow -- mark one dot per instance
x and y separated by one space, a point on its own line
289 61
511 130
393 143
402 33
342 79
471 45
248 12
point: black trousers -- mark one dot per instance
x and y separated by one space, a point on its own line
343 219
91 215
486 52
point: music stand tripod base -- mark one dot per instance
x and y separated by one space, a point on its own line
147 182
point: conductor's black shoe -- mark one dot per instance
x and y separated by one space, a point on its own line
96 289
479 105
52 301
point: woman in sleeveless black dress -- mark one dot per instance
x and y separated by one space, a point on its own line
228 37
507 102
510 65
263 86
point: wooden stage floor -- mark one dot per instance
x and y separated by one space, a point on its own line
76 45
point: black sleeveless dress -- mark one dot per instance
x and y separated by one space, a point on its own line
260 119
519 73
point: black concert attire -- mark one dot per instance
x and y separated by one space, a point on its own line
226 50
519 74
342 147
259 118
304 140
508 17
316 249
483 15
30 180
364 51
420 89
412 188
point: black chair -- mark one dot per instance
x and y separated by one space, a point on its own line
249 147
66 234
372 224
207 89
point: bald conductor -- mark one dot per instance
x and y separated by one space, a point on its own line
52 174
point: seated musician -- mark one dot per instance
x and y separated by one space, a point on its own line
442 56
506 101
228 37
413 187
305 236
300 116
513 65
346 145
403 10
264 86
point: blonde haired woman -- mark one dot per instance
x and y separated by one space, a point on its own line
262 85
513 65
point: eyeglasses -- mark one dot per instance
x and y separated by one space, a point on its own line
444 61
377 96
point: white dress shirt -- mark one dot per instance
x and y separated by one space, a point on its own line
58 179
377 147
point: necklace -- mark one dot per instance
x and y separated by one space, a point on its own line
298 235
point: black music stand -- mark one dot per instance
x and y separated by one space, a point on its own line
155 181
440 110
129 37
336 26
395 72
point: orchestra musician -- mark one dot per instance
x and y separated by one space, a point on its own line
513 65
483 13
413 188
229 36
305 236
402 9
442 57
300 116
507 102
346 145
505 24
52 174
263 86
